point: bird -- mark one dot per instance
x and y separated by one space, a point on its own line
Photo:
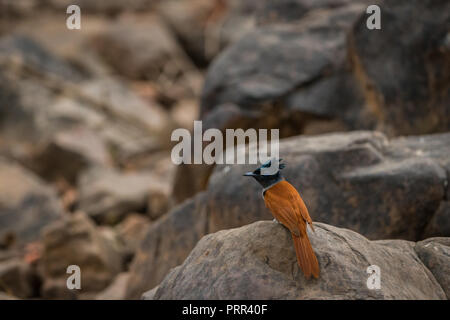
288 208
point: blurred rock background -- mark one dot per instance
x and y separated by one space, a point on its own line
86 116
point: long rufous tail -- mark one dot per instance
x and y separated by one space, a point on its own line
306 258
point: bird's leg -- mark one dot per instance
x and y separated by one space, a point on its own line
275 220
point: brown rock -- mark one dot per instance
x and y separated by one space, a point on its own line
116 290
27 204
435 254
16 278
108 195
439 224
258 262
141 55
406 88
132 230
76 241
45 95
69 153
245 74
159 252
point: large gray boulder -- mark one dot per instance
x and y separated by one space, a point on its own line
380 188
274 64
406 87
258 261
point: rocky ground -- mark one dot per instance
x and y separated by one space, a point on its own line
85 171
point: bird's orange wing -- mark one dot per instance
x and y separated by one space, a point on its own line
288 207
300 207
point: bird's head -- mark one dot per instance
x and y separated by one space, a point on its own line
267 174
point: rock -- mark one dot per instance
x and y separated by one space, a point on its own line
69 153
132 230
13 10
149 295
137 54
64 43
44 95
76 241
188 20
359 180
288 11
108 195
190 179
258 262
439 224
27 204
119 102
159 252
204 28
404 89
275 63
286 76
17 49
297 71
16 278
158 163
184 113
435 254
57 289
24 99
116 290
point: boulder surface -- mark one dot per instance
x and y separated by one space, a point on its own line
258 261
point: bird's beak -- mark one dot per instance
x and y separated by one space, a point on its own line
249 174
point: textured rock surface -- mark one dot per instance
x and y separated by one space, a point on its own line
139 54
76 241
116 290
300 71
69 153
406 87
258 262
132 230
359 180
16 278
42 94
435 254
27 204
287 76
108 195
166 245
275 62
